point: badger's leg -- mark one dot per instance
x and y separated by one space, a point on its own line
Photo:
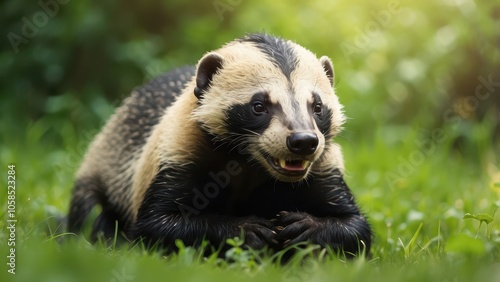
162 231
163 218
346 233
85 197
106 225
87 193
331 220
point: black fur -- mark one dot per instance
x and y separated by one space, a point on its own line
88 193
241 119
277 214
278 50
323 119
207 68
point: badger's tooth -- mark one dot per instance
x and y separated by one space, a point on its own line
305 164
282 163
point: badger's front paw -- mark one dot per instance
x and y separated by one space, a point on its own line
295 227
258 233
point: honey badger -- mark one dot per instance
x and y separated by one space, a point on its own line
241 143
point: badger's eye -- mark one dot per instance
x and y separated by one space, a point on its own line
318 108
258 108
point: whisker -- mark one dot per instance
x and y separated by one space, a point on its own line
307 182
346 138
253 132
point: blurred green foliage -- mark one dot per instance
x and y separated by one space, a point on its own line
395 60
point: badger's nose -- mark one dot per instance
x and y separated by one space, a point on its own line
302 143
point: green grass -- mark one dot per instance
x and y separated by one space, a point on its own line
417 201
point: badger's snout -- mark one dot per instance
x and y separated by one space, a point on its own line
302 143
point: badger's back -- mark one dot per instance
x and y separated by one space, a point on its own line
105 176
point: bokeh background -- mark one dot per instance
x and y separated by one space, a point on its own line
420 82
395 60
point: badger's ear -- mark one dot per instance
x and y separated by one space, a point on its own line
207 67
328 67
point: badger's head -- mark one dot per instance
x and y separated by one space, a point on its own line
273 98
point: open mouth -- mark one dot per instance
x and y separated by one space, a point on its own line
289 167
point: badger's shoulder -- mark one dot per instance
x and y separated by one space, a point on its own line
147 103
176 140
